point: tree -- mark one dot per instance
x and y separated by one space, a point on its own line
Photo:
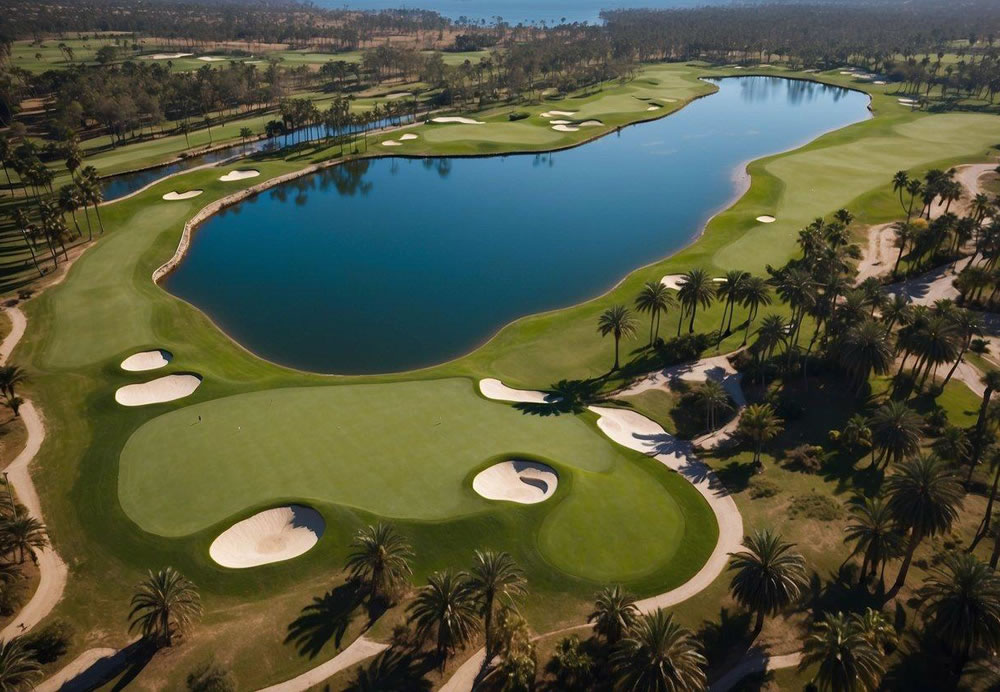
518 665
768 576
495 579
712 395
69 202
872 530
969 325
446 609
18 666
730 288
654 298
245 134
754 293
759 424
696 288
380 559
659 654
23 534
11 376
571 665
164 605
864 350
895 432
991 382
961 603
924 496
615 612
27 231
847 661
617 321
90 188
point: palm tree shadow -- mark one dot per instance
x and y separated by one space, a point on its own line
565 396
133 659
722 638
399 670
326 618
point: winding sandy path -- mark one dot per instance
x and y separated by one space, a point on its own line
87 666
358 651
52 570
757 662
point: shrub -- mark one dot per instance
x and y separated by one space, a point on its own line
211 677
814 506
51 642
518 115
806 457
763 487
11 598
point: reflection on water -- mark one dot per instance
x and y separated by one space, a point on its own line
394 263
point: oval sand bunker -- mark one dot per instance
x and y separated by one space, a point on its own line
274 535
238 175
526 482
175 196
146 360
766 219
158 391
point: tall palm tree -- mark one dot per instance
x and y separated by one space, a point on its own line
69 202
615 612
991 382
617 321
895 432
754 293
863 350
846 660
969 325
90 187
771 332
6 157
962 606
872 530
799 289
659 655
768 575
899 182
712 395
654 298
18 666
730 288
380 559
517 666
759 424
494 579
23 534
165 604
924 496
695 288
984 525
27 231
446 609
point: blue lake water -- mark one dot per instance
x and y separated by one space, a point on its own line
515 11
390 264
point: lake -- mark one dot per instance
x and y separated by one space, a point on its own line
390 264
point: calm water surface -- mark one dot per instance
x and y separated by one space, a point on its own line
516 11
391 264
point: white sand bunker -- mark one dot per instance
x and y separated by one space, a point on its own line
590 123
565 128
175 196
493 388
908 102
560 122
274 535
211 58
407 137
766 219
526 482
653 108
238 175
147 360
456 119
880 82
397 95
554 114
169 56
391 143
157 391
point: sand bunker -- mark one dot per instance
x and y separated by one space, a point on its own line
455 119
653 108
397 95
565 128
174 196
407 137
274 535
157 391
673 281
554 114
880 82
560 122
211 58
766 219
590 123
391 143
495 389
147 360
169 56
238 175
526 482
908 102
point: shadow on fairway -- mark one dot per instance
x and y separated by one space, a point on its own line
326 618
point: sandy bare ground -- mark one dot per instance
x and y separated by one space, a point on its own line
524 482
358 651
146 360
52 570
274 535
80 673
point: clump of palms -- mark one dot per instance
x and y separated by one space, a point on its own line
768 575
847 651
18 667
380 560
712 396
495 581
164 605
517 666
873 531
617 321
446 610
696 288
659 654
654 298
615 612
895 432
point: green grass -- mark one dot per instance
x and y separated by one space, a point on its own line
657 405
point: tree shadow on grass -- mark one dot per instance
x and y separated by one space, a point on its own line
130 661
397 669
326 618
721 639
565 396
736 475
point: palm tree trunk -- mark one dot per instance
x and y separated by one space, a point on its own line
616 352
99 221
31 249
915 539
694 310
757 627
996 551
988 514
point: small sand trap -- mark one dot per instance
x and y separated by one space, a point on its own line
673 281
211 58
238 175
565 128
397 95
147 360
391 143
407 137
555 114
493 388
175 196
456 119
560 122
274 535
157 391
169 56
908 102
590 123
653 108
880 82
766 219
526 482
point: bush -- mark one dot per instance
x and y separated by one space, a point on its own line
813 506
763 487
807 457
210 677
518 115
11 598
51 642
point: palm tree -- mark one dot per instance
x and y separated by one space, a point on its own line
165 604
969 325
991 382
69 201
445 608
11 376
494 575
90 188
615 612
517 666
895 432
754 293
873 532
864 350
759 424
896 311
18 666
962 606
27 231
730 288
618 321
984 525
712 395
658 654
768 575
381 559
772 331
6 157
899 182
953 445
696 288
22 533
924 496
654 298
846 659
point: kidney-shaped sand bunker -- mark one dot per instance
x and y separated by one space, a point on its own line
527 482
274 535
